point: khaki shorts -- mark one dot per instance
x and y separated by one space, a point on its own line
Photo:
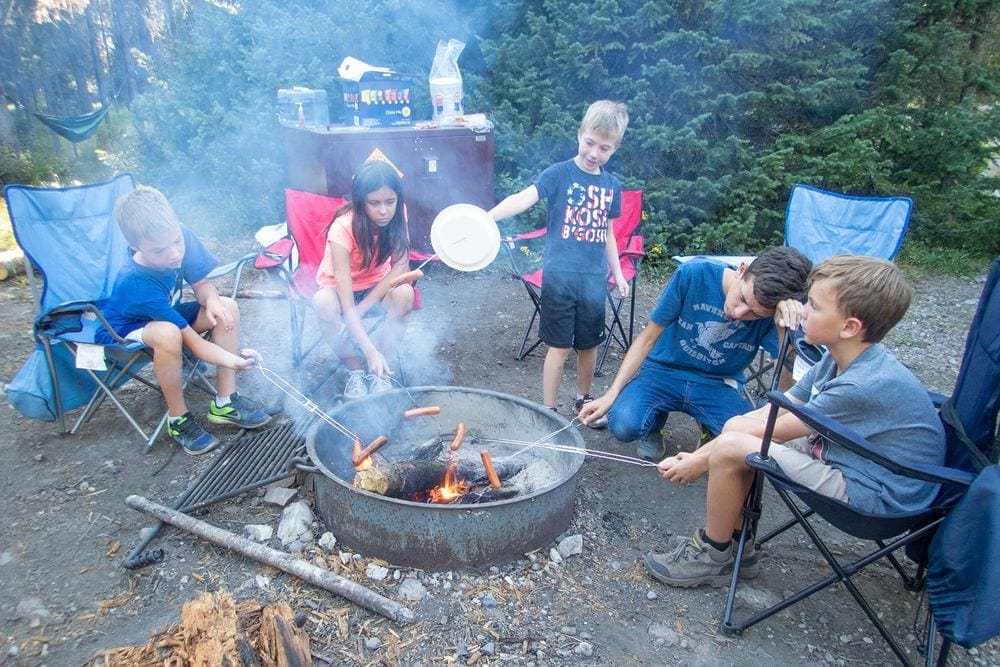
797 461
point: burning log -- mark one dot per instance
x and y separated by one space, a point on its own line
486 494
405 478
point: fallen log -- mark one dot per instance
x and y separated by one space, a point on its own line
11 264
326 580
405 478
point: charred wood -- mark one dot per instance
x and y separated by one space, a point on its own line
405 478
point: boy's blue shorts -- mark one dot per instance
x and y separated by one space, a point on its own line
572 311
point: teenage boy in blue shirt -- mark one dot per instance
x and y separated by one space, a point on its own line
853 302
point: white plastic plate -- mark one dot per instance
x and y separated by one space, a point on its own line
465 237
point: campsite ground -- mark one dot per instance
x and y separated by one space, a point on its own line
65 528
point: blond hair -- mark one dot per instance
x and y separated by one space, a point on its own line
145 215
872 289
607 118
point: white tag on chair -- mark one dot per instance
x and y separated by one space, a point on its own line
90 356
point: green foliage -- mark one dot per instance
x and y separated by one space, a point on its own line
733 103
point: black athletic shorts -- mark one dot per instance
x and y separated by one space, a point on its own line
572 310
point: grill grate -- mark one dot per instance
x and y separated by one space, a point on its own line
254 459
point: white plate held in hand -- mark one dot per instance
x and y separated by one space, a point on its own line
465 237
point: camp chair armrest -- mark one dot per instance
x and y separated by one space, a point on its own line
833 431
513 239
68 318
275 254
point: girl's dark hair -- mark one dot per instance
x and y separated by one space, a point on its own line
392 239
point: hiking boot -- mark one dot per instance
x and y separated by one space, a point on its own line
749 565
600 422
692 563
240 411
650 447
379 384
190 435
356 387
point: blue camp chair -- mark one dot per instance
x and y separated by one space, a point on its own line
69 235
959 567
820 224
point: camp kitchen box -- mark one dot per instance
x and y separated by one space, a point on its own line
440 166
313 104
378 99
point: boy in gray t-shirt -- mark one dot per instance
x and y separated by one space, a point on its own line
853 303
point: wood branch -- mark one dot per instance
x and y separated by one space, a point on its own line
285 562
11 264
405 478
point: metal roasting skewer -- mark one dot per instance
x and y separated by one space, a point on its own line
310 406
570 449
303 400
435 255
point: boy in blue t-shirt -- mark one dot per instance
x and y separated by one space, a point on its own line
582 199
853 303
702 334
141 308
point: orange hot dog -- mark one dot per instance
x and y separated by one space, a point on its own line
422 412
491 472
459 437
408 277
372 447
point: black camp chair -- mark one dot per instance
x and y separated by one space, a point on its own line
970 417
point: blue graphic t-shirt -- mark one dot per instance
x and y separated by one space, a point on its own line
580 209
699 340
142 294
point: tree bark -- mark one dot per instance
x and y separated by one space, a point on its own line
285 562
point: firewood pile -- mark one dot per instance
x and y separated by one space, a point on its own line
214 630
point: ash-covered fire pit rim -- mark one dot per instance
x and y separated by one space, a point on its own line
573 468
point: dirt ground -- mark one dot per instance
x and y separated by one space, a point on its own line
65 527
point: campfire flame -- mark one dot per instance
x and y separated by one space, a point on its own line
367 463
450 489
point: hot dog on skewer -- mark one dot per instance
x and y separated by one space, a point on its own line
422 412
408 277
372 447
459 437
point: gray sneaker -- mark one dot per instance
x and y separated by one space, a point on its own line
750 563
651 447
692 563
379 384
356 387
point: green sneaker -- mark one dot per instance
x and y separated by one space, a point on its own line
240 411
190 435
692 563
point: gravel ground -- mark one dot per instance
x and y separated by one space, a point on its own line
584 599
